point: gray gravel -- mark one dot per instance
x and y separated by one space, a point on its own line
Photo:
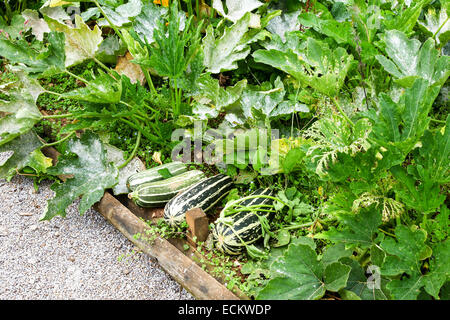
72 258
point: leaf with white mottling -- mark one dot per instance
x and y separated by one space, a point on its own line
438 26
147 21
287 22
85 160
38 26
410 59
236 8
25 152
55 13
19 114
114 154
103 89
81 43
222 54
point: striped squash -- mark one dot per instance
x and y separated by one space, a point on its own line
152 174
158 193
204 194
244 224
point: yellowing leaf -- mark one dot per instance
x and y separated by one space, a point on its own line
157 157
81 42
57 3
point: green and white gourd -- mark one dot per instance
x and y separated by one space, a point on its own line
158 193
151 175
243 226
204 194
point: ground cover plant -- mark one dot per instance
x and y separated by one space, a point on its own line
357 91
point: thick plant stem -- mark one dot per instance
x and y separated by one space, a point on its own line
439 29
176 106
136 127
57 142
437 121
341 111
133 153
149 80
76 77
54 93
298 226
58 116
101 64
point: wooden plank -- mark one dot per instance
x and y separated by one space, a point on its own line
186 272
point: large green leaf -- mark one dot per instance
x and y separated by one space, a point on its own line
263 100
407 288
359 229
405 258
320 67
435 154
211 98
46 62
19 113
299 274
287 22
222 53
334 138
110 49
102 89
55 13
399 126
409 60
121 14
362 286
147 21
85 160
406 19
420 183
406 252
439 269
16 27
237 9
174 50
341 32
81 42
24 151
115 155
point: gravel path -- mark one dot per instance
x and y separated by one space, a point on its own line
72 258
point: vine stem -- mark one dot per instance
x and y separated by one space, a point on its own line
439 29
109 21
76 77
54 93
58 116
230 204
437 121
133 153
57 142
148 77
341 111
385 232
299 226
101 64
